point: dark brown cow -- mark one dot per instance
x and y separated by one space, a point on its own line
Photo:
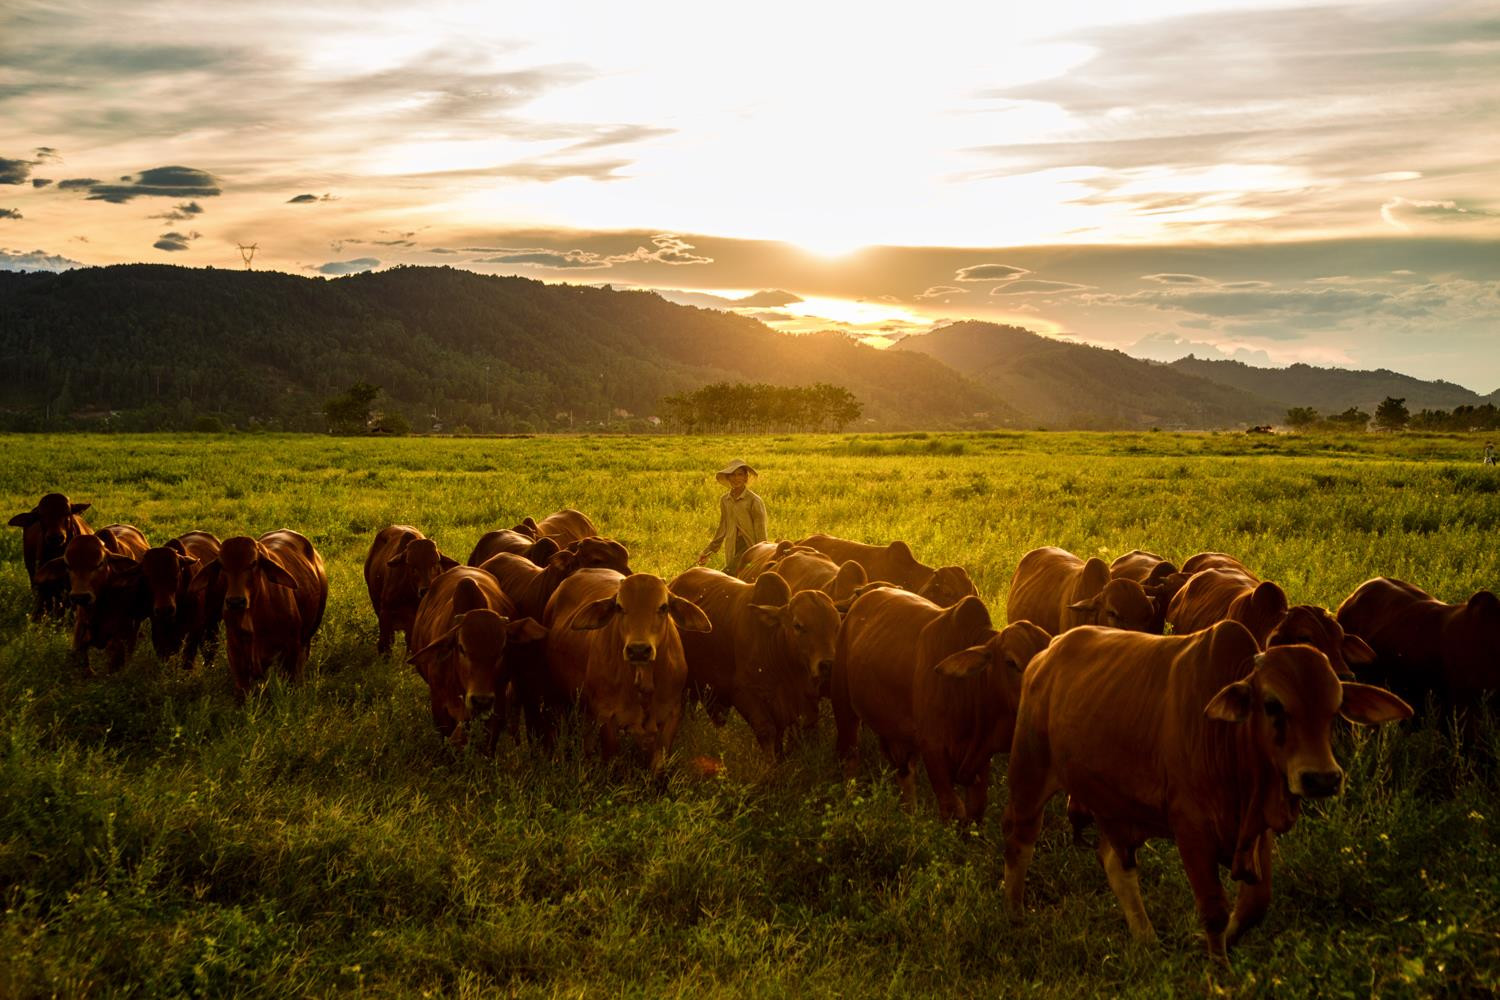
528 585
45 530
467 640
887 637
1160 579
812 570
894 563
101 575
275 590
566 526
965 711
1215 595
492 543
1215 560
1057 591
767 653
613 643
1200 738
1423 645
182 620
600 553
401 565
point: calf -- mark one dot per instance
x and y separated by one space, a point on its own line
46 529
182 620
894 563
275 591
1200 738
767 653
467 637
1057 591
401 565
101 575
964 708
1422 645
613 643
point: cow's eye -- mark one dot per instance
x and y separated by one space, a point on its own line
1274 708
797 626
662 610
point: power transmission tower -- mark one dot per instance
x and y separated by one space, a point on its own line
247 253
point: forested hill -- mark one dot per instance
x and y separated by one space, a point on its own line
162 347
1331 390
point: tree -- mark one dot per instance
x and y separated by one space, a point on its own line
350 413
1353 419
1391 414
1301 417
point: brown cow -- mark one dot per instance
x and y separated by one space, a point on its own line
1057 591
101 574
887 637
275 590
180 619
964 707
812 570
467 639
1215 595
1423 645
767 653
1200 738
528 585
566 526
492 543
760 556
613 643
401 565
894 563
45 530
1160 579
1215 560
595 552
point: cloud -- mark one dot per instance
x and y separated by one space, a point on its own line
14 171
1397 211
668 249
174 242
340 267
990 272
77 183
40 182
1177 279
941 292
36 260
557 259
1243 285
182 212
617 135
773 316
1032 286
772 297
671 250
158 182
307 199
546 173
9 213
44 153
1170 347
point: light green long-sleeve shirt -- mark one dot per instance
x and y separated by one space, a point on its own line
742 523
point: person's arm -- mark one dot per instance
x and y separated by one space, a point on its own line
719 536
758 521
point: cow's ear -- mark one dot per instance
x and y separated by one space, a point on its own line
1356 650
51 571
447 562
183 559
206 577
424 658
969 662
595 615
769 615
23 520
407 537
688 616
276 573
564 561
1233 703
123 565
525 630
543 549
1370 706
1087 607
79 508
399 559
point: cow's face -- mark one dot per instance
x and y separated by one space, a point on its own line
242 567
1122 604
641 615
53 514
479 658
1289 700
1313 626
161 569
90 568
948 586
420 562
810 624
601 553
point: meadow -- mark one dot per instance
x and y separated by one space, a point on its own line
156 839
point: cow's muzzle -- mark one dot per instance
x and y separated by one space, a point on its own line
478 703
236 603
82 600
1320 784
822 670
164 614
640 652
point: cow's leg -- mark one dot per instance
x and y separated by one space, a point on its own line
609 740
979 795
1252 900
446 724
1200 861
1031 783
387 636
846 742
1080 819
941 779
1125 880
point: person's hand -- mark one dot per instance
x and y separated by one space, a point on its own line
702 560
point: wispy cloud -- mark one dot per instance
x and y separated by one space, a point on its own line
990 272
174 242
158 182
35 260
342 267
1033 286
10 213
665 249
187 210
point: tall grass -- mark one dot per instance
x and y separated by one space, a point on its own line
158 840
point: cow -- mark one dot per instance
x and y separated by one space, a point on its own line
595 552
760 556
894 563
530 586
401 565
1202 738
812 570
887 637
566 526
182 620
275 591
1214 595
613 644
1423 645
466 641
964 708
492 543
1057 591
100 573
45 530
1159 578
767 653
1215 560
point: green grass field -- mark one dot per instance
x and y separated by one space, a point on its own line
158 840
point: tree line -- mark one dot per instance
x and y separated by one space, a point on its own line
741 407
1392 415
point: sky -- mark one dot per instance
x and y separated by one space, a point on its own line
1274 182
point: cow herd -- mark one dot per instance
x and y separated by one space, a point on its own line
1195 703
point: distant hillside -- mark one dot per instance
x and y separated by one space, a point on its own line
1062 385
1331 390
163 346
